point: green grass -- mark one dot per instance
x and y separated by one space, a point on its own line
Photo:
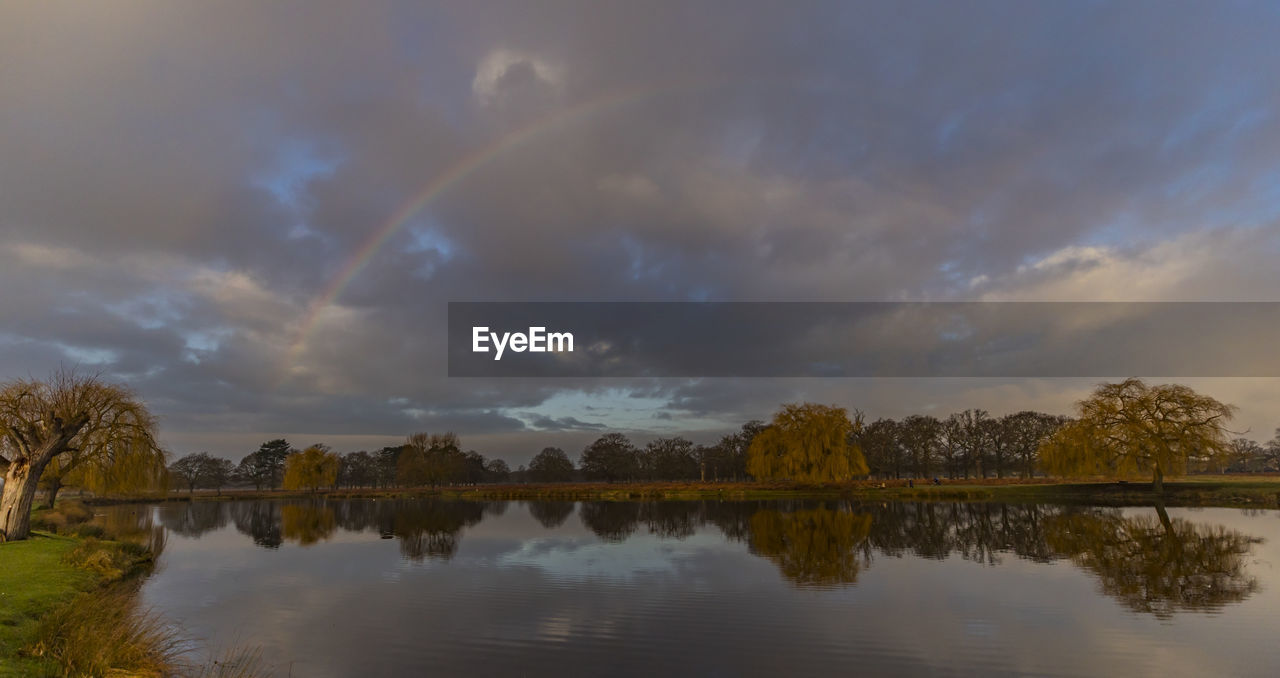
68 607
34 580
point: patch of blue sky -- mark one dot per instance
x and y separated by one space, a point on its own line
428 235
425 237
296 164
618 409
200 343
88 355
150 311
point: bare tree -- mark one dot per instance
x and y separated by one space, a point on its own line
68 413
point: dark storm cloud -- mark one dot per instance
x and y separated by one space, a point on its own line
182 183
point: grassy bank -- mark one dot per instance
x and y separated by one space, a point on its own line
1223 491
69 605
34 580
68 609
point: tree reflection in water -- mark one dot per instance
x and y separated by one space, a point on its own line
307 523
550 514
1149 563
260 520
1157 565
430 528
813 547
612 521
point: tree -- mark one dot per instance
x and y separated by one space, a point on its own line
1027 431
39 421
1243 455
115 467
221 471
670 459
973 442
190 470
357 469
998 437
266 465
310 469
497 471
808 442
1271 453
1130 427
473 471
611 457
430 459
728 458
919 434
388 461
551 465
881 447
951 445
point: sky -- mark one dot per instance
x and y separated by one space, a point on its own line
256 215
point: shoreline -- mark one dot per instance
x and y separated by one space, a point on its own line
1255 491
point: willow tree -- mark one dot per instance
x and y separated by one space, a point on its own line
121 466
808 442
310 469
76 419
1129 427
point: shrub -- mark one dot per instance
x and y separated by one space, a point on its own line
112 561
91 530
104 633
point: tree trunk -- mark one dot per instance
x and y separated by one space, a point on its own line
1164 518
55 484
18 496
1157 480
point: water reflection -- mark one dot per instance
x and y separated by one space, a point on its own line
1151 564
1157 565
817 546
261 520
307 523
550 514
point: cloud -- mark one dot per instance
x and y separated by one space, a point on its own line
184 182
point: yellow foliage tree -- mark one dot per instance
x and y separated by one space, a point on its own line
808 442
310 469
1129 427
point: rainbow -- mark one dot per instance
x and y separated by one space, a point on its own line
450 177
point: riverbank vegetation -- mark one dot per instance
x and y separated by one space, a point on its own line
69 604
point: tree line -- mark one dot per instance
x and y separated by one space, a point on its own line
78 430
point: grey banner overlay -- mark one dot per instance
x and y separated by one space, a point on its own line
876 339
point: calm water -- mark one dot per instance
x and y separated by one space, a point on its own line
418 587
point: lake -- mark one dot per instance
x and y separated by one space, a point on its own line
710 588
